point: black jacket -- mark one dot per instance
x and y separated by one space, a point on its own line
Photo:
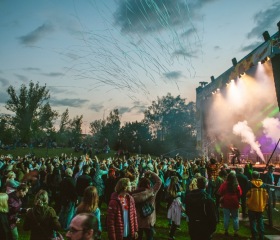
201 210
82 183
67 190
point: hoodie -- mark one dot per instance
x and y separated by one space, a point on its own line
257 196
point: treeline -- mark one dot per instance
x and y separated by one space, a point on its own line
168 124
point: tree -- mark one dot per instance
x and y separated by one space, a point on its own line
97 126
76 128
7 131
171 120
107 129
133 134
31 109
64 122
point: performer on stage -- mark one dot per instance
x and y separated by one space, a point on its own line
236 155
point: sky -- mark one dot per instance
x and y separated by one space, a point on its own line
95 56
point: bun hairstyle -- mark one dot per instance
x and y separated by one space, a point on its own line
41 198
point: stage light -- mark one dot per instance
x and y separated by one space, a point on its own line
234 62
264 60
266 36
202 84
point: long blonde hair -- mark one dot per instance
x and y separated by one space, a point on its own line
4 202
174 188
90 200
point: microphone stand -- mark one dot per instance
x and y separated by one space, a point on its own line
271 155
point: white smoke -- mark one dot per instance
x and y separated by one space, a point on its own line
245 132
272 129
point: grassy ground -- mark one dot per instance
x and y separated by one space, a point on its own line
40 152
162 229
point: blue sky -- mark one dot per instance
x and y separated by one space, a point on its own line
95 56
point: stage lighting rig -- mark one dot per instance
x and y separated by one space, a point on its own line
266 36
203 84
234 62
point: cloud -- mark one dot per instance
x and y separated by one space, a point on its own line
149 16
96 107
140 108
188 32
31 69
53 74
250 47
4 82
123 110
263 19
3 96
22 77
36 35
69 102
183 52
57 90
173 75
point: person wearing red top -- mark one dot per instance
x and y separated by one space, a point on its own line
230 193
121 214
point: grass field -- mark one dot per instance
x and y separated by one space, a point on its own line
161 227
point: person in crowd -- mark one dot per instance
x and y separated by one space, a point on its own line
174 212
230 193
248 170
257 198
270 179
121 214
83 182
110 184
11 182
218 182
146 192
41 219
82 227
89 204
15 208
5 231
54 187
193 183
100 170
213 168
201 212
68 198
243 182
174 186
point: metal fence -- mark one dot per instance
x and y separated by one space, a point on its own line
272 215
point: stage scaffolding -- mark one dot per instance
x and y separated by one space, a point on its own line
270 49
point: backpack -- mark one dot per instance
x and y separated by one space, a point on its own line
145 209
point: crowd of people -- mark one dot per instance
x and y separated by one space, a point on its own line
65 193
